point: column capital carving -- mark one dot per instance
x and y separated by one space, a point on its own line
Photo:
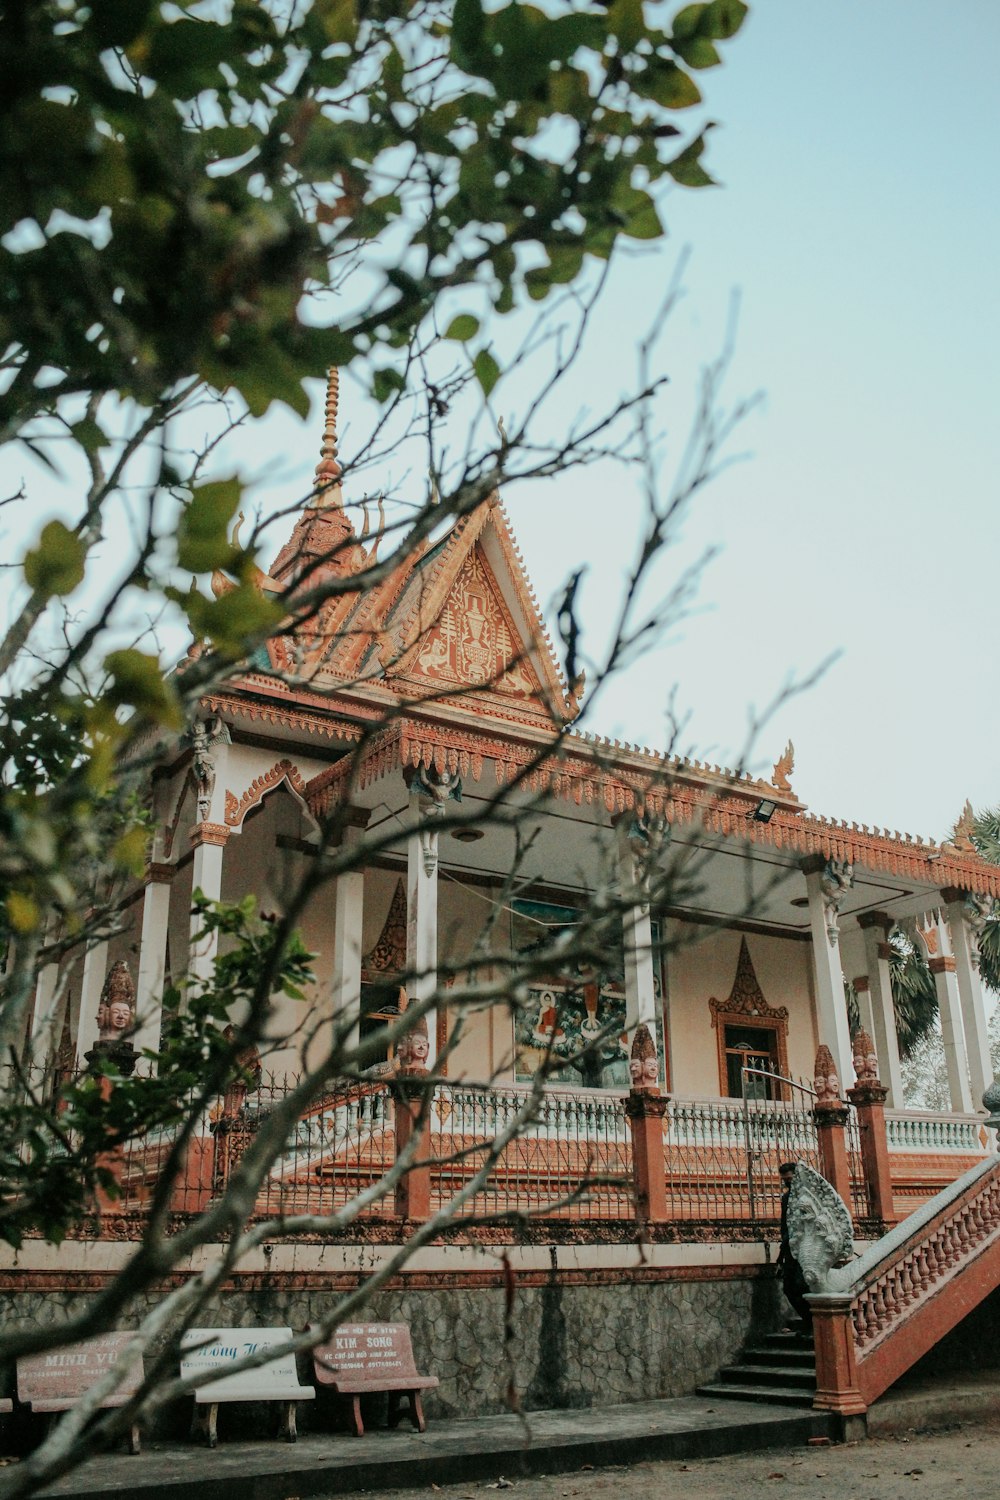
158 873
835 879
209 833
941 963
880 919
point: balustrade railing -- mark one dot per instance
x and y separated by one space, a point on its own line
573 1154
913 1130
883 1296
571 1157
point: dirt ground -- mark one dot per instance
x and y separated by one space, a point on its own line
954 1463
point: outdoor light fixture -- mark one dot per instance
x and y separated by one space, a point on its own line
468 835
764 811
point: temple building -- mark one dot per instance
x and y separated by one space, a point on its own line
443 672
433 695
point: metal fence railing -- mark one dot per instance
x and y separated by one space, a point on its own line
571 1157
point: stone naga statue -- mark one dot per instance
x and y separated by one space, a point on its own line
820 1230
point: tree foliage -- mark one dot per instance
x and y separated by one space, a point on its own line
204 206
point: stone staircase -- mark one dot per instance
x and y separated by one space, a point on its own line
779 1368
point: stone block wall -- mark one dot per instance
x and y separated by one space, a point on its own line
566 1340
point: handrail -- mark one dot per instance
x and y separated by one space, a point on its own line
854 1277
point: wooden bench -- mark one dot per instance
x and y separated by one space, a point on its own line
218 1349
368 1358
55 1381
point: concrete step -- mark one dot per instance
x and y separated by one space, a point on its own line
769 1375
801 1356
772 1395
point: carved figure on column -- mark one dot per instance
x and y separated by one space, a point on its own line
835 881
204 734
977 909
820 1231
643 1067
116 1020
413 1048
868 1088
865 1058
435 790
825 1081
647 837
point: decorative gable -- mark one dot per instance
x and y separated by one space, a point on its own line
474 641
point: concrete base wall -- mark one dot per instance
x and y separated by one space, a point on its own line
562 1342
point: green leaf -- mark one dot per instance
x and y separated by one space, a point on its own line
235 620
137 681
487 370
463 328
468 26
725 17
89 434
669 85
56 565
203 530
686 168
699 52
386 384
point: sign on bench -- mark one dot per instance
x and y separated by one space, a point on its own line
219 1349
56 1380
366 1358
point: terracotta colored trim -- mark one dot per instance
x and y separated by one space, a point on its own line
282 770
22 1281
941 963
209 833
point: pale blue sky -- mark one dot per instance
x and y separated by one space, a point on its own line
860 222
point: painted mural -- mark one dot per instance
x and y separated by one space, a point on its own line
575 1021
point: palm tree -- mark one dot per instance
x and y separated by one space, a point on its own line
985 835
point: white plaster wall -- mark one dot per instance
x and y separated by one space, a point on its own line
701 965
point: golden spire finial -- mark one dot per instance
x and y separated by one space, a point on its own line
328 469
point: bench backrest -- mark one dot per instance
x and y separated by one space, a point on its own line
365 1352
66 1374
220 1348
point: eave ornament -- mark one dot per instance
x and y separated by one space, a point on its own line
834 884
783 768
433 790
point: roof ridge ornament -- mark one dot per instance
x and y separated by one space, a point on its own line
328 470
783 768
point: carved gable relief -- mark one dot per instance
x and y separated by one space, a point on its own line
388 957
474 640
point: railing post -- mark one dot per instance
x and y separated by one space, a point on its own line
830 1114
868 1097
115 1024
409 1091
836 1368
194 1183
645 1108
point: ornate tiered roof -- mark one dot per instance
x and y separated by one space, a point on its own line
450 636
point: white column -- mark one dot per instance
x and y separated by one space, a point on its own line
152 957
95 967
42 1040
421 910
210 740
942 966
348 908
640 986
875 926
970 993
826 884
209 840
